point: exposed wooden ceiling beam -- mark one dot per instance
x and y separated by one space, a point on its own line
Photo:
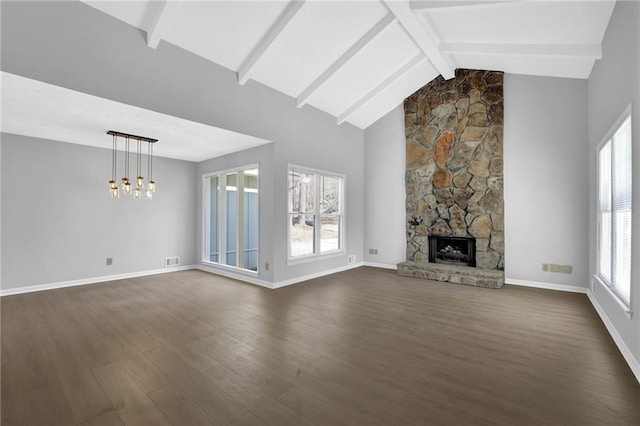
159 22
428 5
346 56
422 36
244 73
380 87
592 51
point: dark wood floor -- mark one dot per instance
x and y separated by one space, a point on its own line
363 347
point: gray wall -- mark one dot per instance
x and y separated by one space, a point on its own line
545 178
60 224
384 191
613 85
72 45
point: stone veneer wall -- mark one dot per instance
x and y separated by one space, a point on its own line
454 177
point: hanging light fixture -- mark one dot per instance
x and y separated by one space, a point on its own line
126 183
151 185
113 185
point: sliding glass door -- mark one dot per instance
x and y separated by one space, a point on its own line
231 218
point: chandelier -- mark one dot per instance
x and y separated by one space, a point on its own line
127 187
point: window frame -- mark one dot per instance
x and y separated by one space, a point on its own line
621 300
206 220
317 255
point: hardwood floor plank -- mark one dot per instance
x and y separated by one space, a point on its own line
248 420
85 396
179 408
363 346
207 394
47 405
131 403
110 418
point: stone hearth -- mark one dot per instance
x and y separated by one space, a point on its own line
453 274
454 175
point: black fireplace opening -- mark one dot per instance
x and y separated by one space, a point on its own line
452 250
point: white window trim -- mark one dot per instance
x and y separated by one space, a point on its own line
619 300
627 307
326 255
206 220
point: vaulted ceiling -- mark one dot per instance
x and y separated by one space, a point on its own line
357 60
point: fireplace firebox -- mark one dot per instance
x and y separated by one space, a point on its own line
452 250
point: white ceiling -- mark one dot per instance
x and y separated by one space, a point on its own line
357 60
37 109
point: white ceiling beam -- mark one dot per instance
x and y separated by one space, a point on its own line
159 24
592 51
380 87
244 73
428 5
346 56
422 36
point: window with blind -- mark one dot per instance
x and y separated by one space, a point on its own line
614 211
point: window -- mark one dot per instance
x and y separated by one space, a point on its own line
315 213
614 210
231 218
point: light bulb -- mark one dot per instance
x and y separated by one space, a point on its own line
140 181
127 188
112 184
152 186
136 193
115 193
149 194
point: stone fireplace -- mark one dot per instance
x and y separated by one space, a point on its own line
454 180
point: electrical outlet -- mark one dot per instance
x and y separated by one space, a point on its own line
373 251
266 266
109 261
545 267
566 269
554 267
351 259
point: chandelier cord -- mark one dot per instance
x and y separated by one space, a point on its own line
113 159
126 160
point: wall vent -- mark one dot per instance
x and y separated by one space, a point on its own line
171 261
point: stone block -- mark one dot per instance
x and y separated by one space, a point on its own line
462 179
487 260
479 168
473 133
481 227
442 148
442 179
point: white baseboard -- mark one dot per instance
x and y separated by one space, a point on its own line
228 274
381 265
93 280
548 286
634 364
234 275
279 284
316 275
